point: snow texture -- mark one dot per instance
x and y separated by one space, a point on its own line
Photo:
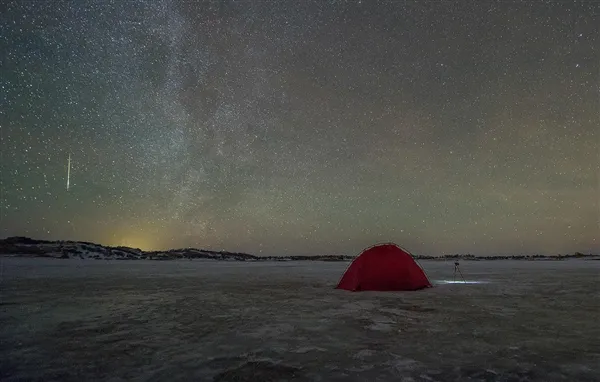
77 320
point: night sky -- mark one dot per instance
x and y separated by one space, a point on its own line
298 127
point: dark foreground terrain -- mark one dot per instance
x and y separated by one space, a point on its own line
83 320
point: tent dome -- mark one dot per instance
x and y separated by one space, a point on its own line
384 267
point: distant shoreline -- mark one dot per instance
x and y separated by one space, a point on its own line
33 248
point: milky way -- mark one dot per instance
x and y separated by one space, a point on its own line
300 127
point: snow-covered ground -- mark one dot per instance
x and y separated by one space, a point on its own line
84 320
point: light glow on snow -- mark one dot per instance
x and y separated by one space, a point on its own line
459 282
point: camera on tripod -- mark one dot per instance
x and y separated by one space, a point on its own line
457 269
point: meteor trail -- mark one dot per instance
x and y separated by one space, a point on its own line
68 172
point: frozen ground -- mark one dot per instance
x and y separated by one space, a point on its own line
85 320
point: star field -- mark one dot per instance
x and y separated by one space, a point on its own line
303 127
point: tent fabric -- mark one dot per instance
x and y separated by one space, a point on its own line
384 267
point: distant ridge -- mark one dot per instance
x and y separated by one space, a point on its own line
27 247
19 246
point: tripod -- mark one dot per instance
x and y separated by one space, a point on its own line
457 269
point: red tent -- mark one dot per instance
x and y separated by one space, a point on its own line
384 267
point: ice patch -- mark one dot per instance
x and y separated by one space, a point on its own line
307 349
403 364
394 311
358 305
380 327
361 369
260 370
272 330
364 353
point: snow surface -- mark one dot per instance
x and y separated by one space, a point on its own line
77 320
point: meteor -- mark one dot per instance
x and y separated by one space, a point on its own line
68 172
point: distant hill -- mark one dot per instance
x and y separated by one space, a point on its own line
27 247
